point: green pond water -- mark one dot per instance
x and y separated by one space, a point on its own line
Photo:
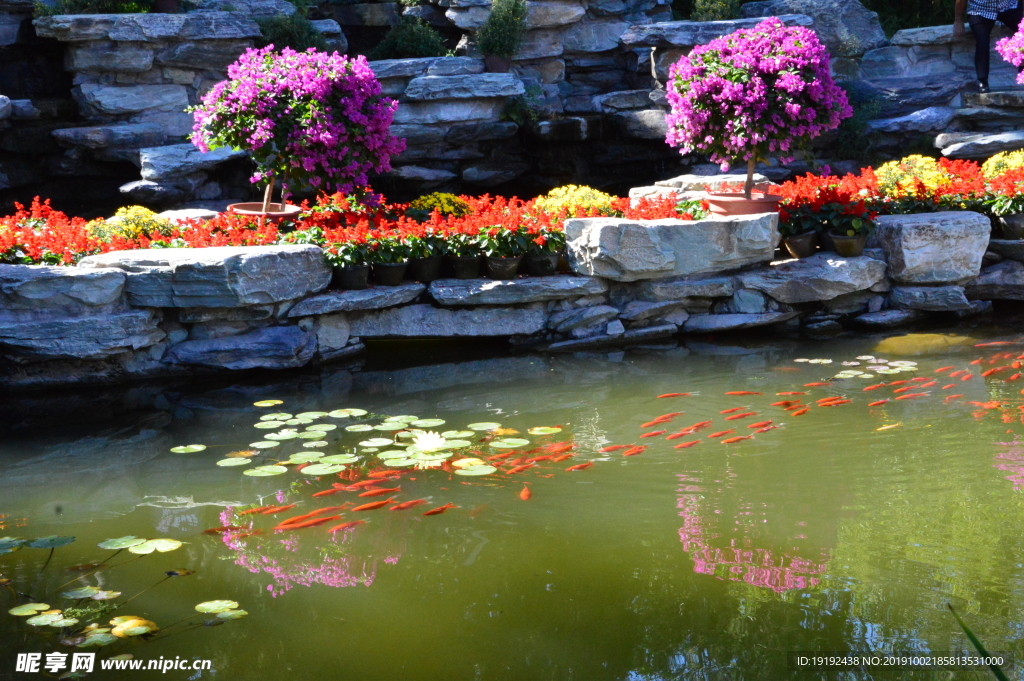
846 528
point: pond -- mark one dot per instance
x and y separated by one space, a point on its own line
846 524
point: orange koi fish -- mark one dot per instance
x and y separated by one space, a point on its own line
255 510
559 447
954 374
952 397
500 457
655 422
823 400
987 405
654 433
941 369
966 377
562 457
633 451
993 344
743 392
876 403
408 504
580 466
819 384
835 403
903 382
373 505
661 397
440 509
276 509
547 457
765 429
733 440
801 412
927 384
732 411
784 403
308 523
519 469
698 426
722 433
876 386
977 361
919 379
759 424
736 417
525 494
668 417
796 406
791 392
613 448
685 445
379 492
681 433
362 483
346 526
222 530
986 374
326 492
385 474
911 395
1016 364
948 386
1013 378
906 389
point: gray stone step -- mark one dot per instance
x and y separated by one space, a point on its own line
1013 98
714 323
985 146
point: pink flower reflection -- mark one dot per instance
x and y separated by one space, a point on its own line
1012 461
757 567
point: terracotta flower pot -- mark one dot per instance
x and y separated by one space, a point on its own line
849 246
464 266
726 204
255 208
802 245
542 265
503 268
1012 226
424 270
388 273
351 278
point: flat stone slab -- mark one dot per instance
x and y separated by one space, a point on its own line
85 337
513 291
581 317
67 290
985 145
276 347
427 321
929 298
1008 248
714 323
658 290
103 136
686 34
467 86
822 276
175 160
217 277
639 310
889 319
110 100
366 299
1003 281
631 250
147 27
933 248
632 337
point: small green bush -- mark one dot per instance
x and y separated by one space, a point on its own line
502 33
409 39
93 7
715 10
296 32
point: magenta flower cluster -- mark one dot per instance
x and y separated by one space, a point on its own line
312 119
755 92
1012 50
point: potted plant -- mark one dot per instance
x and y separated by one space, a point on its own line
501 36
348 259
850 226
388 256
504 248
311 120
426 254
463 251
799 237
750 94
544 247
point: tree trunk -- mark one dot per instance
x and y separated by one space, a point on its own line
748 186
268 194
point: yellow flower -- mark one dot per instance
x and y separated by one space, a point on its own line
573 197
1001 162
129 222
896 179
446 204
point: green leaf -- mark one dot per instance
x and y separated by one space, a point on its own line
484 425
81 592
237 461
216 606
232 614
51 620
509 443
376 442
279 416
159 545
347 413
11 544
97 640
52 542
305 457
476 470
311 415
265 471
323 469
28 609
359 428
427 423
188 449
121 543
264 444
544 430
340 458
267 403
322 427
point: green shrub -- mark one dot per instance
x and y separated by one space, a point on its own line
411 38
715 10
502 33
446 204
296 32
93 7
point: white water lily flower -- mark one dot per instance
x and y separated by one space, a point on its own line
429 442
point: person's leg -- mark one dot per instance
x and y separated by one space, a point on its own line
982 30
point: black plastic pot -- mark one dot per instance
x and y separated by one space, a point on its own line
424 270
503 268
350 278
464 266
542 265
388 273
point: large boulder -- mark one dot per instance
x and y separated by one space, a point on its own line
929 298
688 34
426 321
1003 281
64 290
631 250
846 27
983 146
513 291
175 160
80 337
147 27
217 277
933 248
820 277
275 347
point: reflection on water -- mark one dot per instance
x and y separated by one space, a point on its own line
849 527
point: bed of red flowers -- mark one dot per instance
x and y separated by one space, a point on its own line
352 231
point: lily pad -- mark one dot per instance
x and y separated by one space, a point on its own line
311 435
458 433
279 416
28 609
52 542
544 430
393 454
476 470
121 543
375 442
340 458
105 595
101 639
390 425
427 423
311 415
370 450
509 443
346 413
283 435
135 626
407 434
82 592
305 457
484 425
265 471
11 544
323 469
234 462
470 462
432 456
323 427
267 403
299 422
397 463
268 425
315 443
264 444
216 606
359 428
232 614
405 418
188 449
158 545
51 620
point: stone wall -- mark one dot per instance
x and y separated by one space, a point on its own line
182 312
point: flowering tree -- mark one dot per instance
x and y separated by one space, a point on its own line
317 120
753 92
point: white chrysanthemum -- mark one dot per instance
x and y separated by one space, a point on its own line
429 442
